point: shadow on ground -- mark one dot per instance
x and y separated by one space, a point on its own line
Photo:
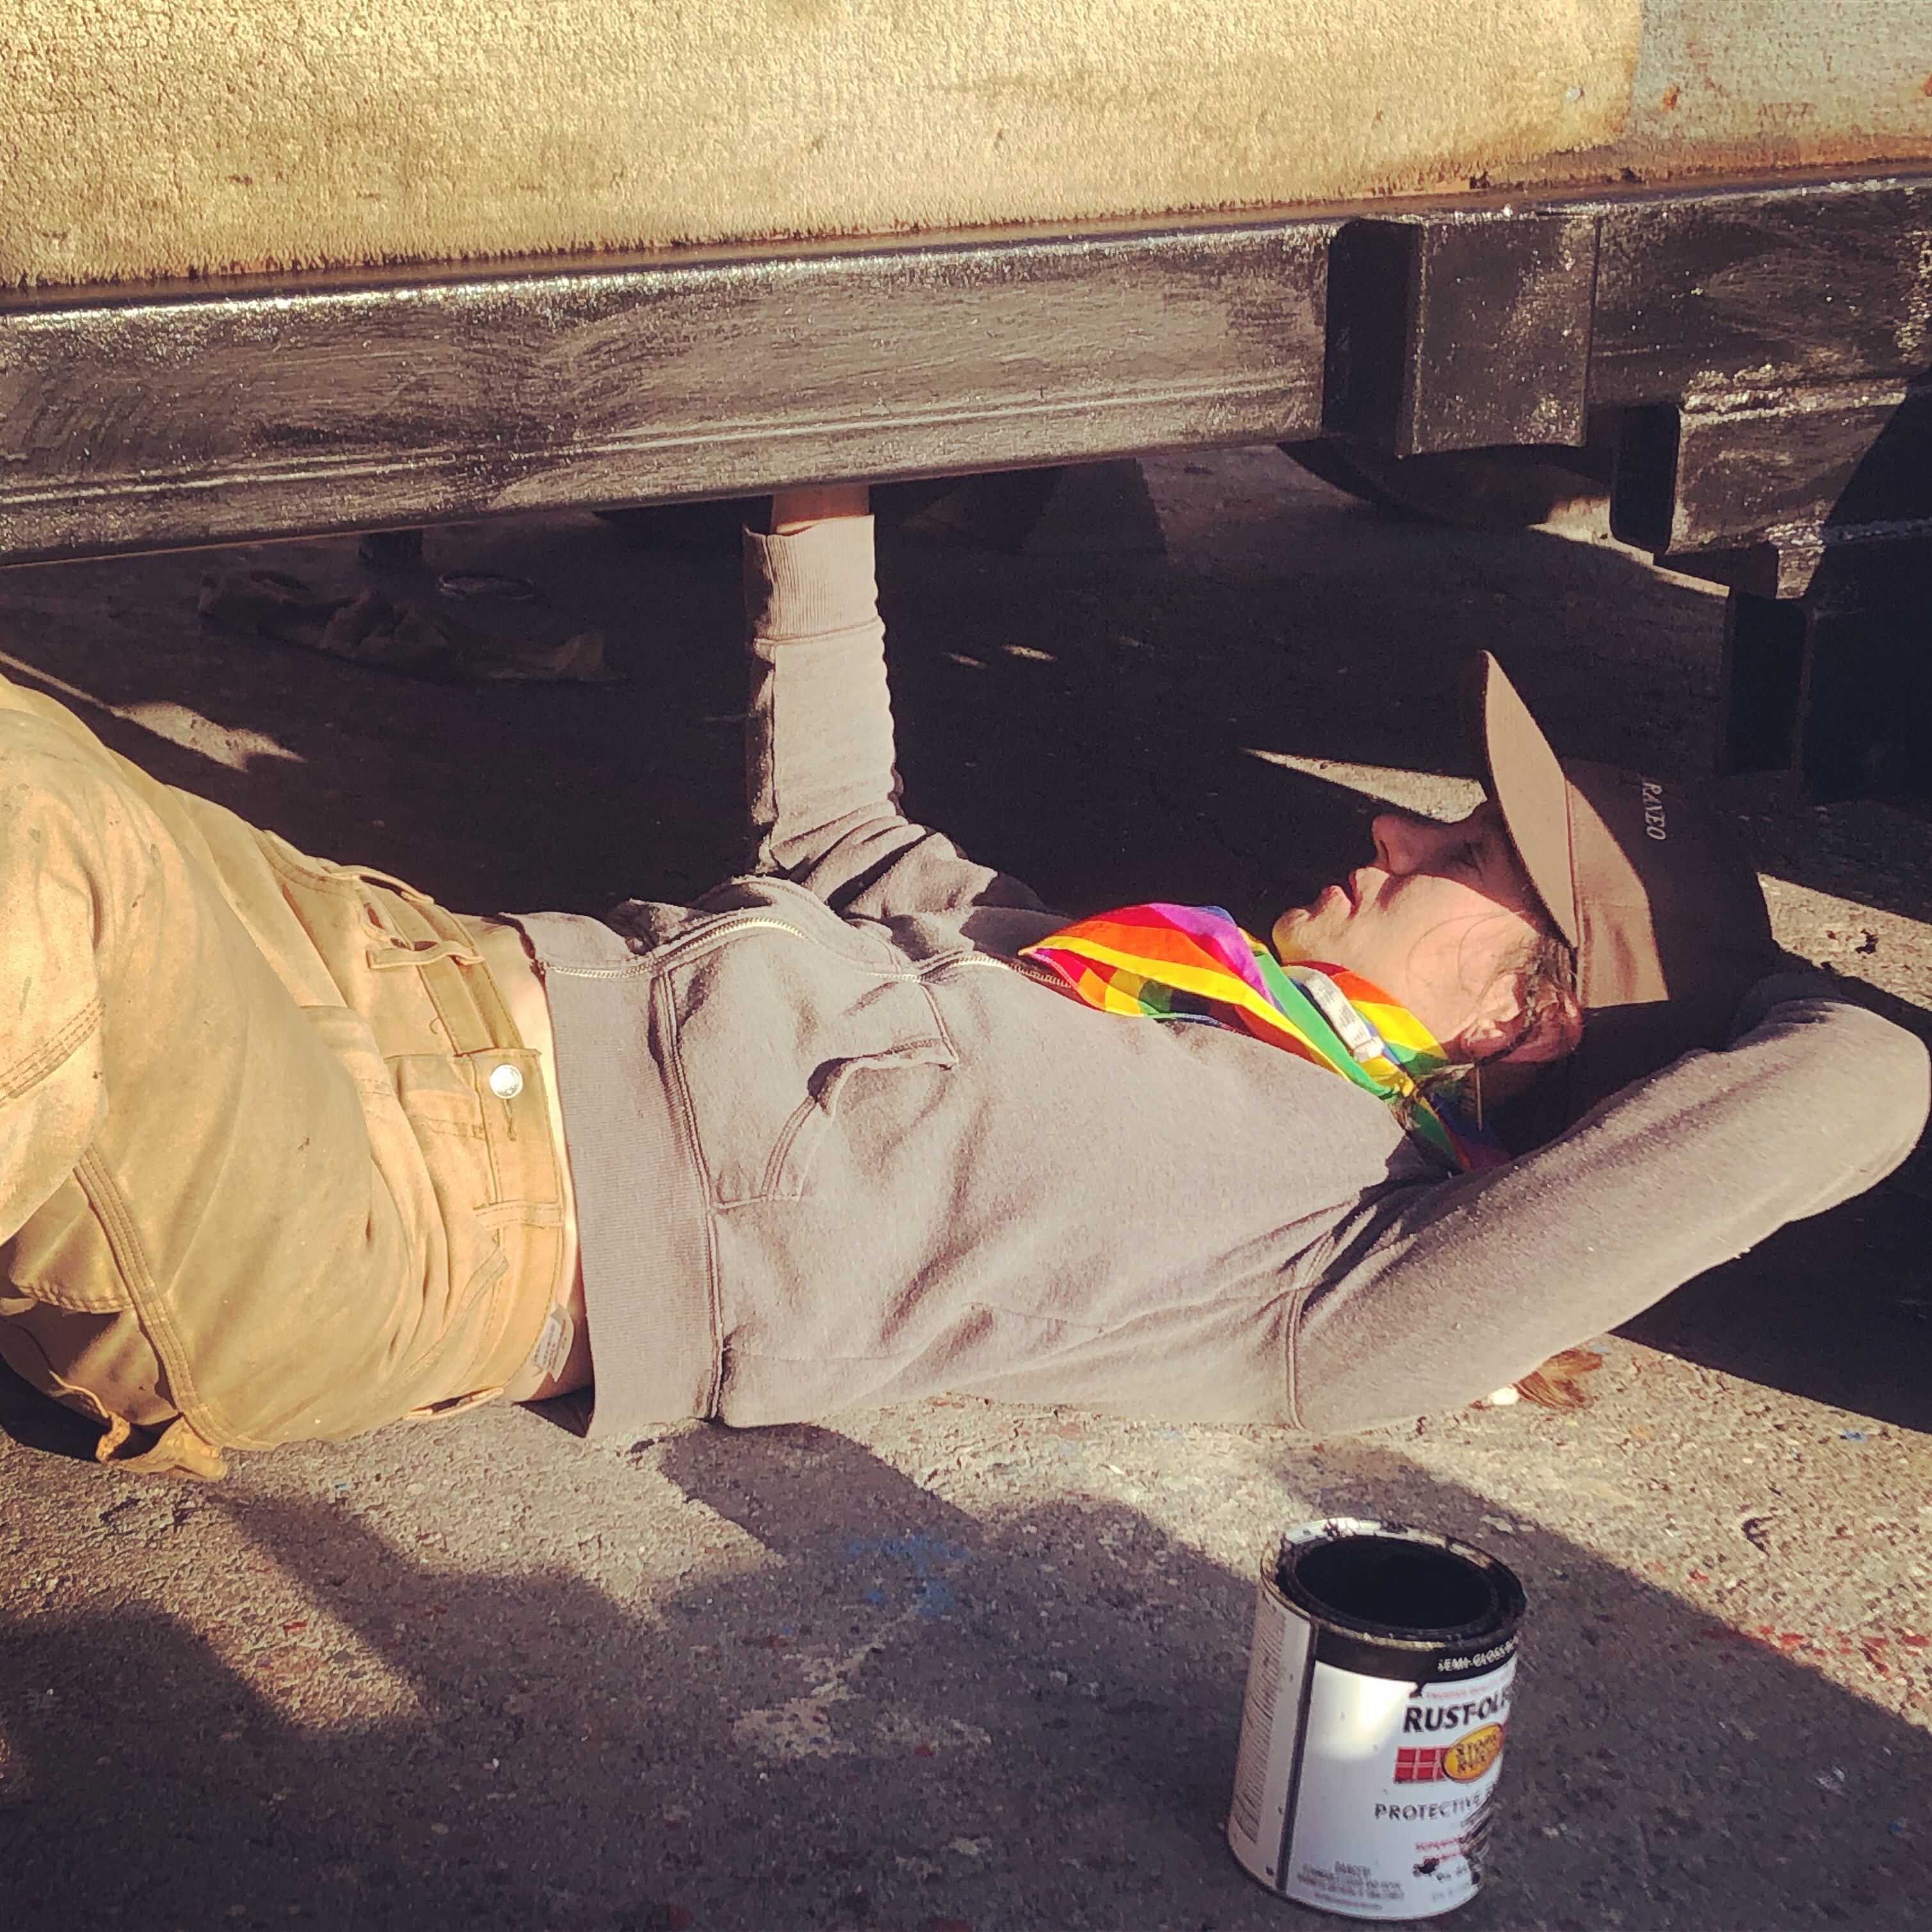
915 1716
1087 720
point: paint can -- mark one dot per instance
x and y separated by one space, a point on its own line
1378 1702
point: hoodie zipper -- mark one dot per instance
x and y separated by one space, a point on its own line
730 925
654 961
1025 968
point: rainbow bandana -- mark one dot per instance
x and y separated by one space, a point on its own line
1193 963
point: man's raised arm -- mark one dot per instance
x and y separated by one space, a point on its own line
822 787
818 742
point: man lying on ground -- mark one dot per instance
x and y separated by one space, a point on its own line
287 1151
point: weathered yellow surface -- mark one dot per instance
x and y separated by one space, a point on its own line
156 137
141 138
1776 83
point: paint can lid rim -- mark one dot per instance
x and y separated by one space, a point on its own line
1495 1595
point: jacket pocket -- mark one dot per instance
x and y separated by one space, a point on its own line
772 1036
62 1255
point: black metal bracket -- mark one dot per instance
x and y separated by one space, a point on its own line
1461 331
1765 357
1751 489
1838 682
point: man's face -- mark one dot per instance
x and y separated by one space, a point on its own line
1436 921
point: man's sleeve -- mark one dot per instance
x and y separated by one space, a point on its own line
822 788
1434 1296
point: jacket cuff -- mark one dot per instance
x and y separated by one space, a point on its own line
1779 989
812 584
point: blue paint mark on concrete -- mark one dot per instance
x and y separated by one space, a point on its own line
931 1597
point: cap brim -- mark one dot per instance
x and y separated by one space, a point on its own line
1528 786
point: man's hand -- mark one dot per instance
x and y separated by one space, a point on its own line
792 510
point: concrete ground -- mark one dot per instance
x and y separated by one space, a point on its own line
952 1665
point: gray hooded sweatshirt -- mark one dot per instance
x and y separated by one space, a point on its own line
833 1145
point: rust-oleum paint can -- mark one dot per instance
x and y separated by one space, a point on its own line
1378 1702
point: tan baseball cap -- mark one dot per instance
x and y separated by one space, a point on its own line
1666 915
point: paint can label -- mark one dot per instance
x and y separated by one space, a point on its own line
1396 1786
1358 1789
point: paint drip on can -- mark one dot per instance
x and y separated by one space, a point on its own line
1378 1703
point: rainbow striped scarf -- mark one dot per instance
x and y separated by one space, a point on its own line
1193 963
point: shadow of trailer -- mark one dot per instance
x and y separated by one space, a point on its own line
1758 352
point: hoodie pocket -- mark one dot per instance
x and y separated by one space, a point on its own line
771 1044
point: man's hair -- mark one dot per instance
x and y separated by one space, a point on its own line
1544 974
1546 984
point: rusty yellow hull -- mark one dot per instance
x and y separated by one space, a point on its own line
174 137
